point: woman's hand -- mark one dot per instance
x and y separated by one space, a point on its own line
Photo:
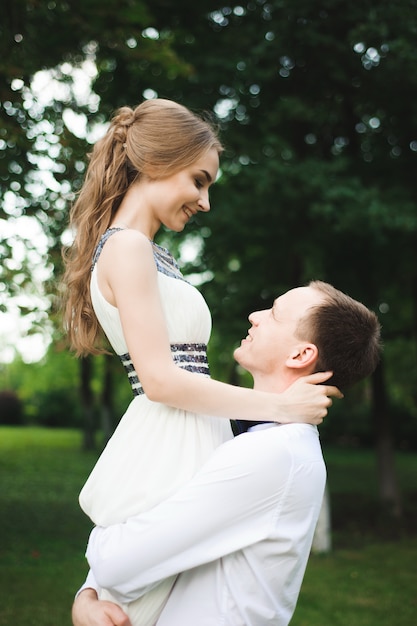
88 610
307 400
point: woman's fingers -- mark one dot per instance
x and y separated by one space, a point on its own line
321 377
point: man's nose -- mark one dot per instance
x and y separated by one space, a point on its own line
256 316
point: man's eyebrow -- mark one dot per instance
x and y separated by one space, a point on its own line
207 175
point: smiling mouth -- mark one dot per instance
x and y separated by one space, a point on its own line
188 212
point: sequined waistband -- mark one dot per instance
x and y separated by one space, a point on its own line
189 356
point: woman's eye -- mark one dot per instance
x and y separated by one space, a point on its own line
198 183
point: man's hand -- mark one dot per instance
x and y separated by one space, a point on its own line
88 610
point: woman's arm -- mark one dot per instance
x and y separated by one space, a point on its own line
129 254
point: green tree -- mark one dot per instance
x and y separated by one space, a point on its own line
41 161
316 102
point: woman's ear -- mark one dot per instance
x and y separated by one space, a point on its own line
303 356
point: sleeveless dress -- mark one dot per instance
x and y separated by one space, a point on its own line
155 448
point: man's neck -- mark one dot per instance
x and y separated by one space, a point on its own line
273 384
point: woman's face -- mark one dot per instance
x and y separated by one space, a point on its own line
173 200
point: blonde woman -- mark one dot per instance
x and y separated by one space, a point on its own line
154 167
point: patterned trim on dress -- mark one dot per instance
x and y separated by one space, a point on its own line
131 374
164 261
189 356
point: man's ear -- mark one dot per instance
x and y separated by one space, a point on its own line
304 355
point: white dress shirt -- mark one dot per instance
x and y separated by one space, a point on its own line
240 531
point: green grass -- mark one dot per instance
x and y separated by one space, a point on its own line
42 530
365 581
372 586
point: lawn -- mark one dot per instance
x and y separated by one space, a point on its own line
43 532
365 581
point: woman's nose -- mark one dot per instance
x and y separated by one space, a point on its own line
204 202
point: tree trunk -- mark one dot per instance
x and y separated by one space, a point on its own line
86 370
389 492
322 540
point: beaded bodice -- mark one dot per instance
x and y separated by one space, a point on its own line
189 356
165 262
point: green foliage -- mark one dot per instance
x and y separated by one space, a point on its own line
318 175
57 36
316 103
48 391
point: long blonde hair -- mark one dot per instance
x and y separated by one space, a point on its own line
159 136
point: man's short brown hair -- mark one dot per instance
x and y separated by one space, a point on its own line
346 333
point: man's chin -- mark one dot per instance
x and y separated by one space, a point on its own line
237 355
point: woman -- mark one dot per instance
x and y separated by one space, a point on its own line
154 167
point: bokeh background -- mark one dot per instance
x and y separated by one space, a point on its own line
316 102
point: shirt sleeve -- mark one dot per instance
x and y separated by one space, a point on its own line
229 504
89 583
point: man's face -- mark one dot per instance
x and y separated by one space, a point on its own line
271 339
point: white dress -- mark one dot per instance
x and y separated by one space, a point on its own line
155 448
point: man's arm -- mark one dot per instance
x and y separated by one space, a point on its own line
228 505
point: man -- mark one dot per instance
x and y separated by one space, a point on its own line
239 533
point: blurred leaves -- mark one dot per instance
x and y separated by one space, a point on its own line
316 103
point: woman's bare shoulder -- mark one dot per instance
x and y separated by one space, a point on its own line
128 242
